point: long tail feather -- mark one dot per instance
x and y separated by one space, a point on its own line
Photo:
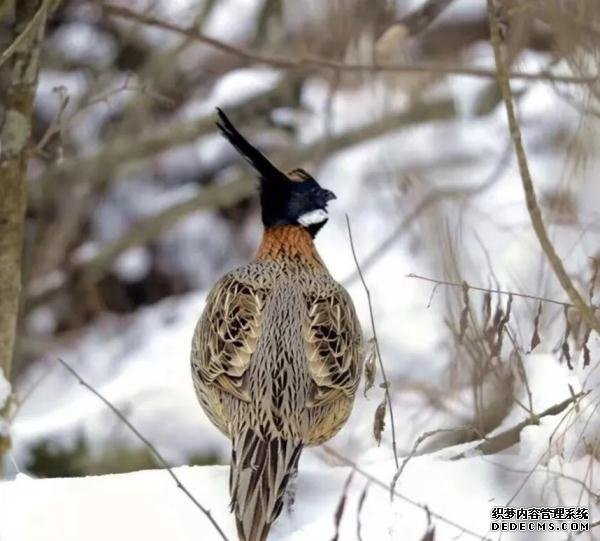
260 471
256 158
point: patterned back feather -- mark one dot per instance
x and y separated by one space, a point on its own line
276 360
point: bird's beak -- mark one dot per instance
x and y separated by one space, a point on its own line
328 195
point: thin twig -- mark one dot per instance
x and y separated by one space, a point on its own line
318 62
418 442
386 381
408 500
548 471
147 443
339 511
57 124
36 20
422 17
361 503
489 290
532 206
434 196
545 453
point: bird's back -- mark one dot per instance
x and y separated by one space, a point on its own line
276 361
263 325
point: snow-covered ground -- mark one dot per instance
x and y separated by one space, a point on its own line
147 505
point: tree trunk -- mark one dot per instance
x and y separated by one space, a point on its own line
30 17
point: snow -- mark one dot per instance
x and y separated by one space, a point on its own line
233 88
84 43
134 264
141 365
238 28
147 505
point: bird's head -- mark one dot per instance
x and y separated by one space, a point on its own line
295 198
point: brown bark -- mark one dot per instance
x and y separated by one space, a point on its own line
14 138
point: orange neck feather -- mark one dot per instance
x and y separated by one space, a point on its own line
288 242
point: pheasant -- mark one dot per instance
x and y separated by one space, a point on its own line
277 352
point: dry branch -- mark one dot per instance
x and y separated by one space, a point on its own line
532 206
33 25
386 382
319 63
509 437
546 453
147 443
361 503
490 291
214 196
339 511
418 442
433 197
225 195
418 20
127 149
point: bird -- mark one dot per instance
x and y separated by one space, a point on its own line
277 352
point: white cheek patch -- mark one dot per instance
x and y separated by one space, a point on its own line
313 217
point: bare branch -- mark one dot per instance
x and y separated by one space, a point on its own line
509 437
339 512
317 62
433 197
386 382
546 453
548 471
361 503
215 196
222 195
128 149
418 442
532 207
489 290
419 19
39 18
147 443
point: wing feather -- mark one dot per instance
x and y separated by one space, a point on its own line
333 346
227 335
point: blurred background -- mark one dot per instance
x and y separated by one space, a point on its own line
136 206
